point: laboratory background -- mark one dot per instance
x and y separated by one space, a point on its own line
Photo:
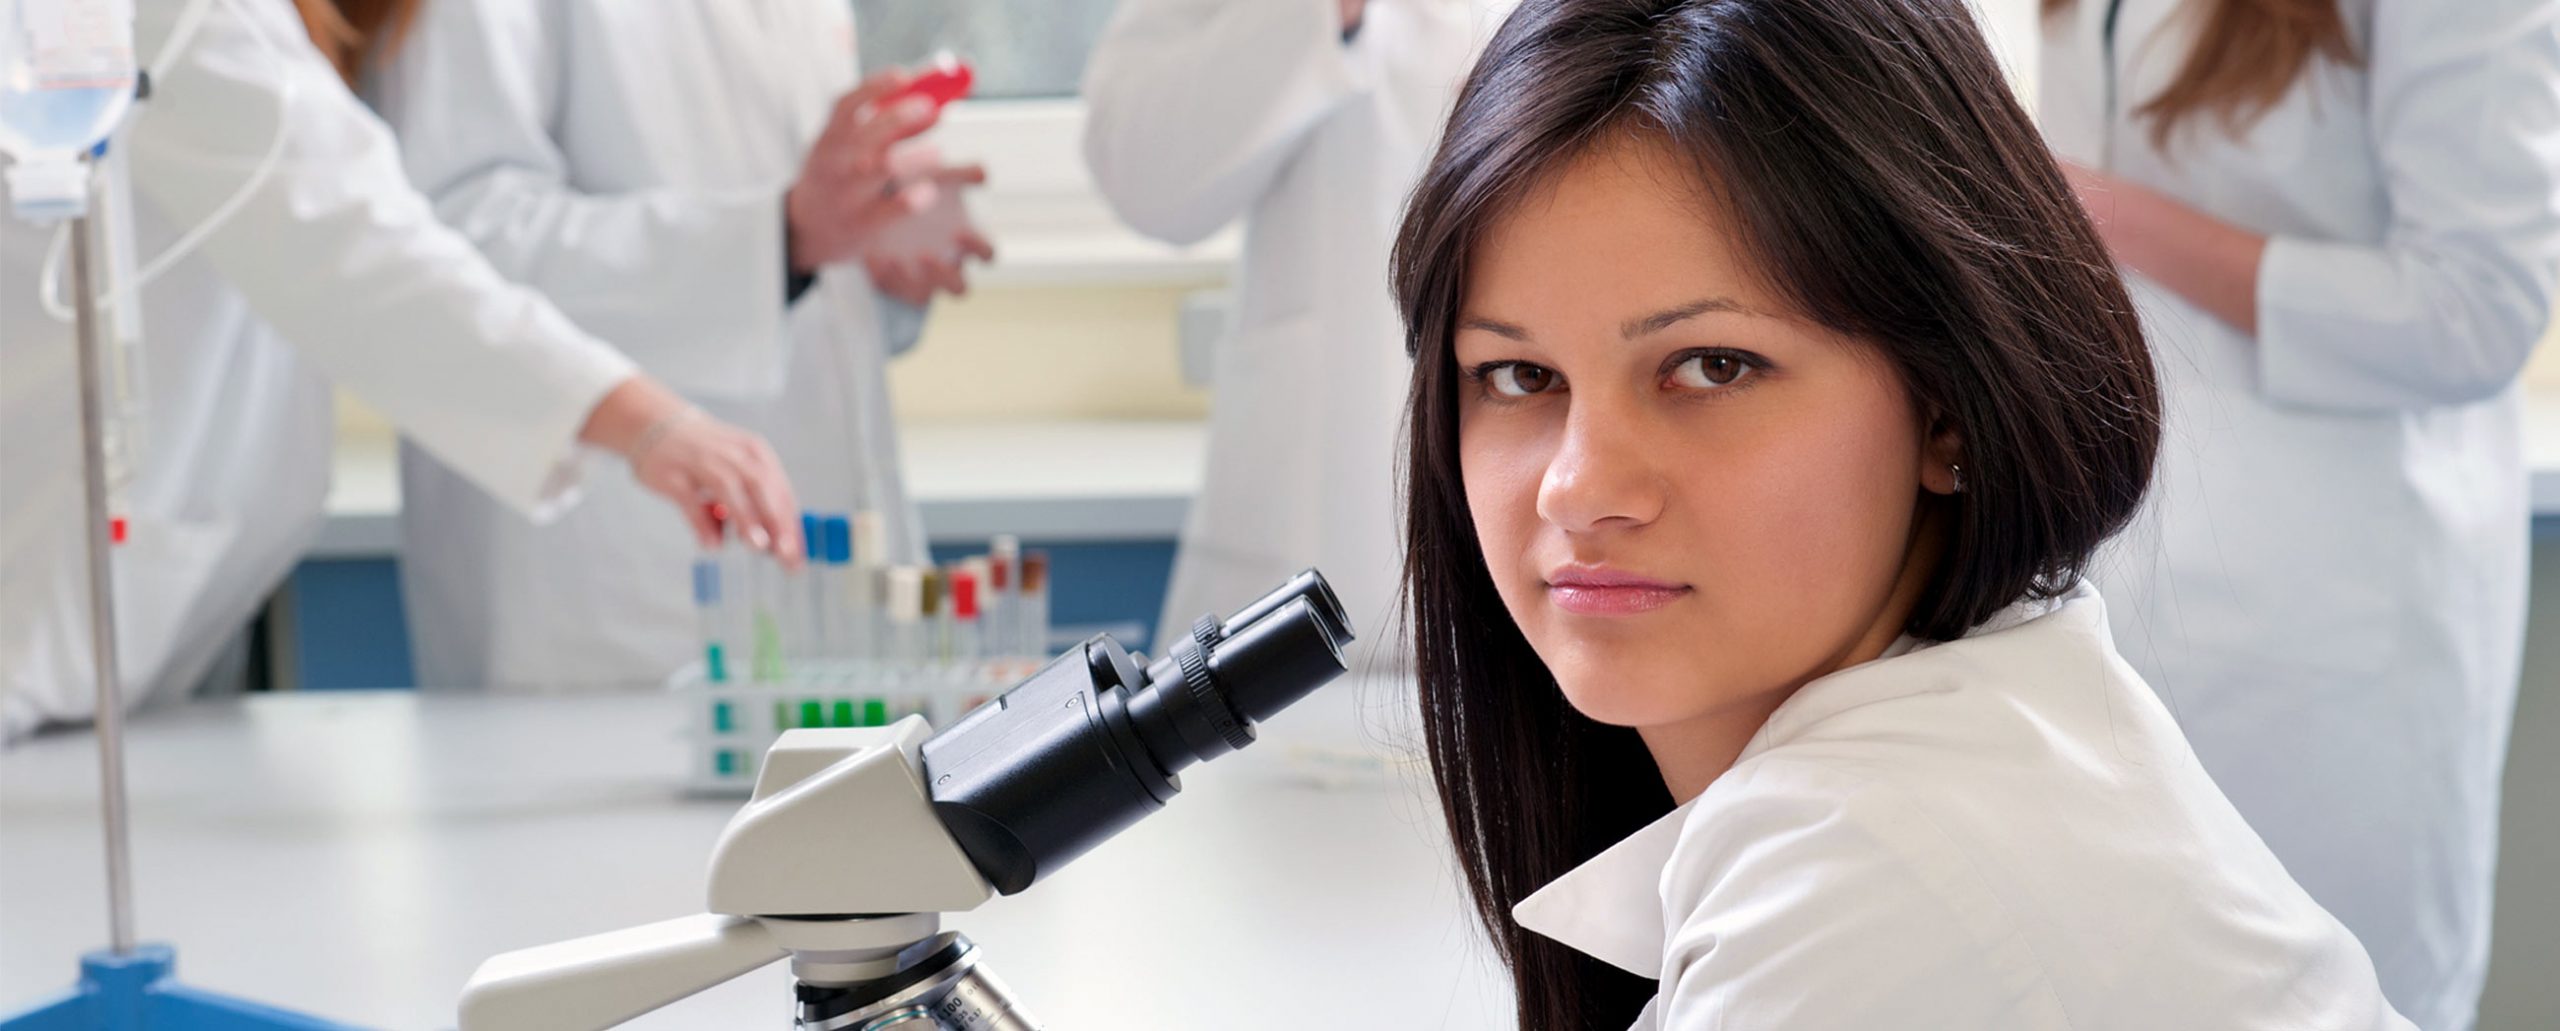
443 735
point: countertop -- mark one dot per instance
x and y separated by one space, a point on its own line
356 855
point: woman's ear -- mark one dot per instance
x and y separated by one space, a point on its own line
1942 458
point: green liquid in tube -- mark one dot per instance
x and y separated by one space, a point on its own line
768 647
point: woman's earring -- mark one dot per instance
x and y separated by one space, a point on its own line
1959 471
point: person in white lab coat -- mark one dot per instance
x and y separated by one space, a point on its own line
1308 119
671 177
333 253
1771 392
2344 247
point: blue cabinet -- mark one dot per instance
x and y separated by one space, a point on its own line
339 623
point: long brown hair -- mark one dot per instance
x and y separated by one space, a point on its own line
2247 54
1878 168
353 32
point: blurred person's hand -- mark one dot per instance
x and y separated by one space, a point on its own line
682 454
847 190
1351 12
923 253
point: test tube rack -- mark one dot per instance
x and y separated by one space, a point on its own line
730 724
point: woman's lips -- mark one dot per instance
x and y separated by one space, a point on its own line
1606 592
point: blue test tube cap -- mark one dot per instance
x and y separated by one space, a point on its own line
839 533
809 535
706 582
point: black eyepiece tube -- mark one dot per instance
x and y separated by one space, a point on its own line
1090 744
1309 585
1276 661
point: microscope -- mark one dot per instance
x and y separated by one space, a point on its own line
856 841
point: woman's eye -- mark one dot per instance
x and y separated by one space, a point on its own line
1519 379
1710 371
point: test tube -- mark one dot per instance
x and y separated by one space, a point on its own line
1004 572
983 570
764 626
799 621
835 590
906 612
706 604
967 643
1033 614
937 644
868 588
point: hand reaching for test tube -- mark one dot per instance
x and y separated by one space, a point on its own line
695 461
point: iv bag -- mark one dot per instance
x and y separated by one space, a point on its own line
66 79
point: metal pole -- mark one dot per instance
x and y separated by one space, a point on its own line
102 622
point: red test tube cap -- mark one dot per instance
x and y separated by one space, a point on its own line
946 80
964 594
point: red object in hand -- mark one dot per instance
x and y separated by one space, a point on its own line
947 80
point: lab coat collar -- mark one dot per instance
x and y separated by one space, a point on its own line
1610 907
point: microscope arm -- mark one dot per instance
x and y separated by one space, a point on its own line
841 825
602 980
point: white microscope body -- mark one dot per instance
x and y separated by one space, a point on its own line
856 841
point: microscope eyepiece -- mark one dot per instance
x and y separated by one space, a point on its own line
1091 743
1309 587
1270 664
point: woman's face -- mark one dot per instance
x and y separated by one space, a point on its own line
1690 498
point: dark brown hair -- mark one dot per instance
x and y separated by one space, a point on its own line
2247 54
353 32
1873 160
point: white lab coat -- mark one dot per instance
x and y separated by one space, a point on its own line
629 161
2000 832
334 254
1203 111
2329 589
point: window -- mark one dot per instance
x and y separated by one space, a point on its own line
1020 49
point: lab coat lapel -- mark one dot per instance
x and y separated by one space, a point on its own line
1610 907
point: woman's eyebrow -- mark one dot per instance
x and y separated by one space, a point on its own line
1630 329
1496 327
1669 317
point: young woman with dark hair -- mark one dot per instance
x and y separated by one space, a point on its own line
1770 393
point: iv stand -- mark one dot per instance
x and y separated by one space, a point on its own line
126 986
102 623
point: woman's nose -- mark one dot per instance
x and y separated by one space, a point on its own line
1603 474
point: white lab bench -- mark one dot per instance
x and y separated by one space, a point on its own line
356 854
1059 480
